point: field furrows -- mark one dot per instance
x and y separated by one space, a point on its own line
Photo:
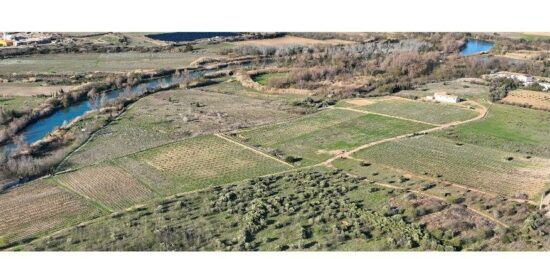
468 165
282 132
201 161
38 207
108 185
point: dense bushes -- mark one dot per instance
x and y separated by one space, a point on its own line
500 88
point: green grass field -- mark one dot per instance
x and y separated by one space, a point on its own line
436 113
484 168
320 136
264 78
509 128
205 161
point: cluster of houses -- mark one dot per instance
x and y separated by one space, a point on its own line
525 79
20 39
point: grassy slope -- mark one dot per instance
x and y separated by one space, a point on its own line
314 138
467 164
508 128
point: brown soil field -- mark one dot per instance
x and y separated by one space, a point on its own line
13 89
292 40
526 54
537 100
107 184
39 207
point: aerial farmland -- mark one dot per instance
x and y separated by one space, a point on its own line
274 142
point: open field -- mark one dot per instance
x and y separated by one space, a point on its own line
313 209
488 169
206 161
317 137
106 184
108 62
19 89
492 207
28 211
531 99
256 215
177 114
292 40
507 128
20 103
463 87
526 54
437 113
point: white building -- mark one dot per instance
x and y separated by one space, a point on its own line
523 78
545 86
443 97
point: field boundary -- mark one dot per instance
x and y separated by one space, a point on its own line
85 197
94 220
251 149
483 214
385 115
460 186
482 113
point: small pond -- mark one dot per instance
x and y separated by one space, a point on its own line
473 47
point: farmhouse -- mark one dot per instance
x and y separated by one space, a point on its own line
443 97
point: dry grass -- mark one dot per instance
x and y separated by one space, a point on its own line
292 40
12 89
360 102
537 100
526 54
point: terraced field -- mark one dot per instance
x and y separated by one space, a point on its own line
484 168
317 137
508 128
206 161
39 207
109 185
436 113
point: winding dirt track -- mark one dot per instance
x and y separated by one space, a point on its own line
482 110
